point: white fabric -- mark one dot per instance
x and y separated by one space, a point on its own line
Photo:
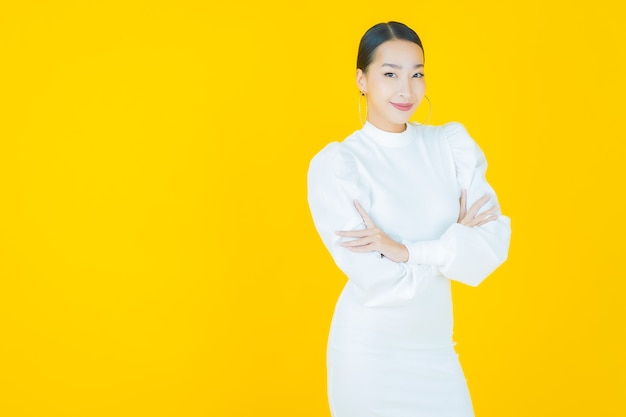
390 349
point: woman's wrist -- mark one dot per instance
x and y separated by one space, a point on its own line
399 254
404 253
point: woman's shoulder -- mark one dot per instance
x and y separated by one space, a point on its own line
465 152
334 158
454 134
457 136
451 131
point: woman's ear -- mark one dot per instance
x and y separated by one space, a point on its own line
361 81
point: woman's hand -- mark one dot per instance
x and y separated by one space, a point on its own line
469 218
373 239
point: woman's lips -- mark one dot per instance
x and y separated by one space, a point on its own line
402 106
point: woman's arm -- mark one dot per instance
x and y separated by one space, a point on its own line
334 184
374 239
467 252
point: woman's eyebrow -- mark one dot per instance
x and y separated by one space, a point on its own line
399 66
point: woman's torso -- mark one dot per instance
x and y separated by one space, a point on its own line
414 197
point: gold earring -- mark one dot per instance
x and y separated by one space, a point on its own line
362 94
430 110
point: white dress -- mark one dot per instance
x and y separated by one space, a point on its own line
390 348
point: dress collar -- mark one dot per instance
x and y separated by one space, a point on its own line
389 139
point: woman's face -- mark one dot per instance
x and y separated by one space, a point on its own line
394 84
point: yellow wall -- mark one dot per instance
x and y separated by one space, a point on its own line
157 257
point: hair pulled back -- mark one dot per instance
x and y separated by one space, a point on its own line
380 33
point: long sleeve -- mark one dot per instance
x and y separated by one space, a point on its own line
333 185
467 254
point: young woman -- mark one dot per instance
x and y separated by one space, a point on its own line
390 203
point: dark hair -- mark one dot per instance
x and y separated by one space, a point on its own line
380 33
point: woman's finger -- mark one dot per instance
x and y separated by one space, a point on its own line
483 217
355 233
488 219
486 213
367 248
463 202
366 218
477 206
357 242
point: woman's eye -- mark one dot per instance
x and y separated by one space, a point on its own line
418 75
390 74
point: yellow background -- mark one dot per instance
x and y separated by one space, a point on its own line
157 257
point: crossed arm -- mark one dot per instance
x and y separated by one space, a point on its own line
373 239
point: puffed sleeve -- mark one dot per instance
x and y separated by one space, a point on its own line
467 254
333 185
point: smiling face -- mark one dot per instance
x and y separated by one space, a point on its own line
393 83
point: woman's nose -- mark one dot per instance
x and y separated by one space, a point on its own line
404 90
